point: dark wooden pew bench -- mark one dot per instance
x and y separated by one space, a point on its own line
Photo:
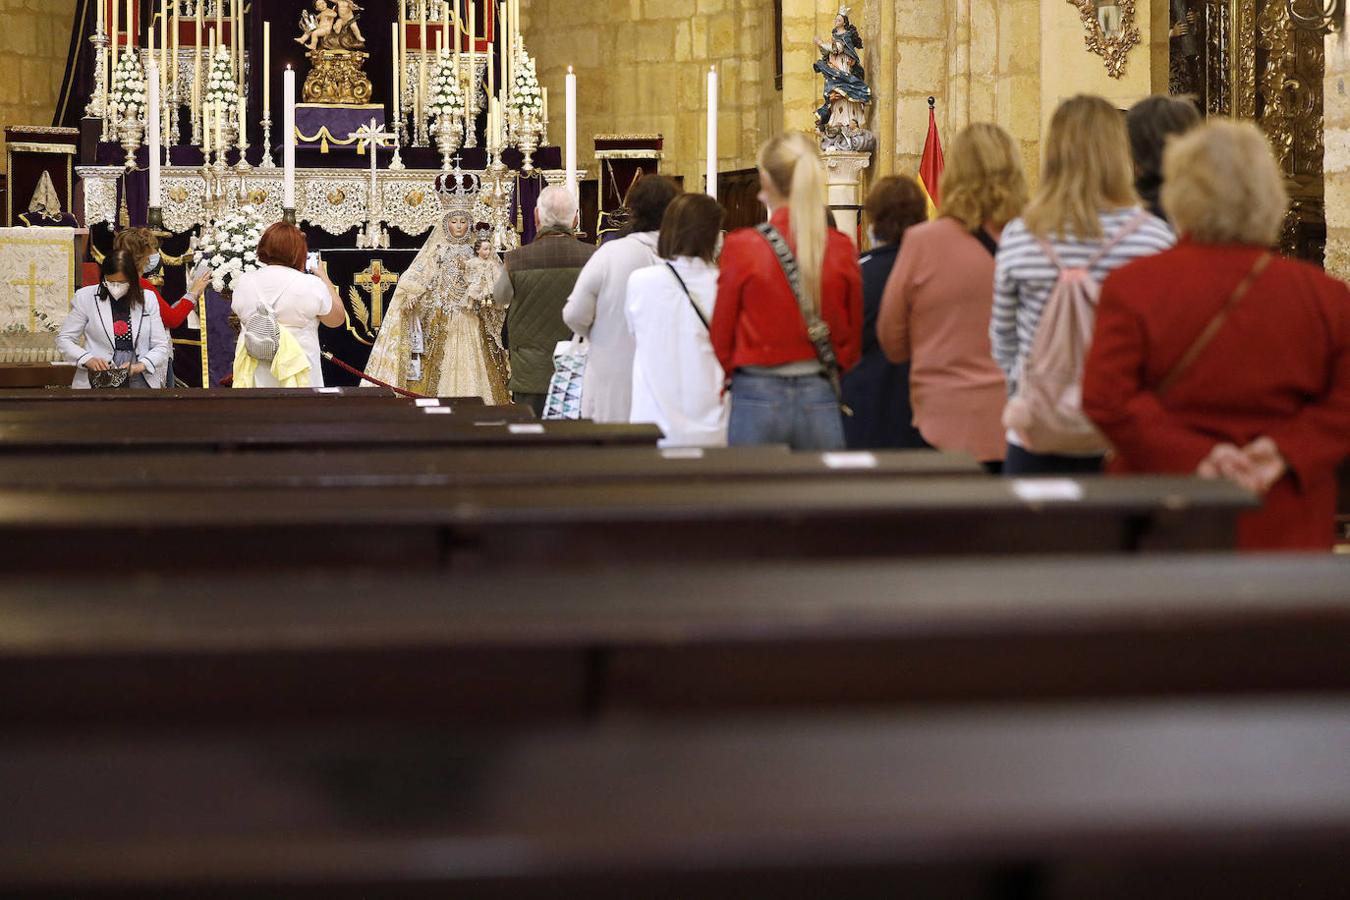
602 524
185 650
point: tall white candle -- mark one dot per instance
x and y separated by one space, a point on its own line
267 70
288 124
570 160
422 63
116 28
152 126
101 11
220 129
393 28
712 133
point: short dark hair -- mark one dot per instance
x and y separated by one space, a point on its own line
690 228
1150 123
648 199
123 262
894 204
283 244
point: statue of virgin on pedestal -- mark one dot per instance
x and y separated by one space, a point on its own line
842 117
433 341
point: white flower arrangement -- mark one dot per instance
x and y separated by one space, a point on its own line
230 248
446 96
221 87
526 95
128 87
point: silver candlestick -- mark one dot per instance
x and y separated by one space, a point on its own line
267 161
98 100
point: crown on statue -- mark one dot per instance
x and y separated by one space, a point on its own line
457 191
844 10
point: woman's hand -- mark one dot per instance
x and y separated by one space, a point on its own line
97 364
199 286
137 369
1268 464
322 272
1255 467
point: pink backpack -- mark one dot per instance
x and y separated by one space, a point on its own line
1046 413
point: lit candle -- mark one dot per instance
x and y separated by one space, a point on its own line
712 133
393 27
267 71
571 146
152 126
288 114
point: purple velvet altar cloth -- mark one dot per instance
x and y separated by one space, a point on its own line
317 124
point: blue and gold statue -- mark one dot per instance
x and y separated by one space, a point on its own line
842 117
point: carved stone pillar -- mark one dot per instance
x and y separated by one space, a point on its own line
844 177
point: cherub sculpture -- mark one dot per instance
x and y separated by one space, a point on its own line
842 117
331 26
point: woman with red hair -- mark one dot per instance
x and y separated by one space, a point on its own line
300 300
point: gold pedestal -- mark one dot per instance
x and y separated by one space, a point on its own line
336 76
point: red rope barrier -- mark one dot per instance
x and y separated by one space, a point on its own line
375 381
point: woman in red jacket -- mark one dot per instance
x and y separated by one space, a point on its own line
1218 357
142 244
780 392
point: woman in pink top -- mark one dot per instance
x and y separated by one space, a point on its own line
935 312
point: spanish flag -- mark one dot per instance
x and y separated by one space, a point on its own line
930 167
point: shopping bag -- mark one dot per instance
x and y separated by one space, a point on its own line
564 389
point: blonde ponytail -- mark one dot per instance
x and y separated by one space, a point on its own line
793 163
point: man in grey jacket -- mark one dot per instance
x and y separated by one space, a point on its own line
535 283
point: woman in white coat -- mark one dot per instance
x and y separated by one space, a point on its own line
677 380
110 327
595 310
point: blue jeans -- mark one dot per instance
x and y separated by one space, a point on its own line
800 411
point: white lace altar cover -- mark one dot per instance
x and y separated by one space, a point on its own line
37 282
335 200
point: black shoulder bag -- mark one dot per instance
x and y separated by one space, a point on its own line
816 328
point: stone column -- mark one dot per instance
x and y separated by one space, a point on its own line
1336 156
844 172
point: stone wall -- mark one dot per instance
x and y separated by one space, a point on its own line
1336 159
34 38
642 68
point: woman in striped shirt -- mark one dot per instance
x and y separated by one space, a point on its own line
1085 209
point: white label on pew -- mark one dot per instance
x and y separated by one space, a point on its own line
329 390
425 402
682 453
494 423
438 411
849 460
526 429
1047 490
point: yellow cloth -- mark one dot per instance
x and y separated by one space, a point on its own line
290 367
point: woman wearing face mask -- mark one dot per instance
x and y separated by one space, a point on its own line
117 327
142 244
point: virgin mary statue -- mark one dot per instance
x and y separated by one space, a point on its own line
437 338
841 118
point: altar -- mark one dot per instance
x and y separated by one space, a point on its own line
336 118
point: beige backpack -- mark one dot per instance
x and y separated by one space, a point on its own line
1046 413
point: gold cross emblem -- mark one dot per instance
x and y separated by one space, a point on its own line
32 283
379 282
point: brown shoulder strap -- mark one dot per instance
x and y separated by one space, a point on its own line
1212 329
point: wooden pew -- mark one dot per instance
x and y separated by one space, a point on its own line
1162 800
162 433
336 469
598 524
243 648
68 394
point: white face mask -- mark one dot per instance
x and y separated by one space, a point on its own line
152 263
116 291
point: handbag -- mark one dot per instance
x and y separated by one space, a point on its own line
563 400
816 328
1202 340
112 377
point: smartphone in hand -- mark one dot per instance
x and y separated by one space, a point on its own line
312 263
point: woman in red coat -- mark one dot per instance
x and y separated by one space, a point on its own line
780 393
1265 401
